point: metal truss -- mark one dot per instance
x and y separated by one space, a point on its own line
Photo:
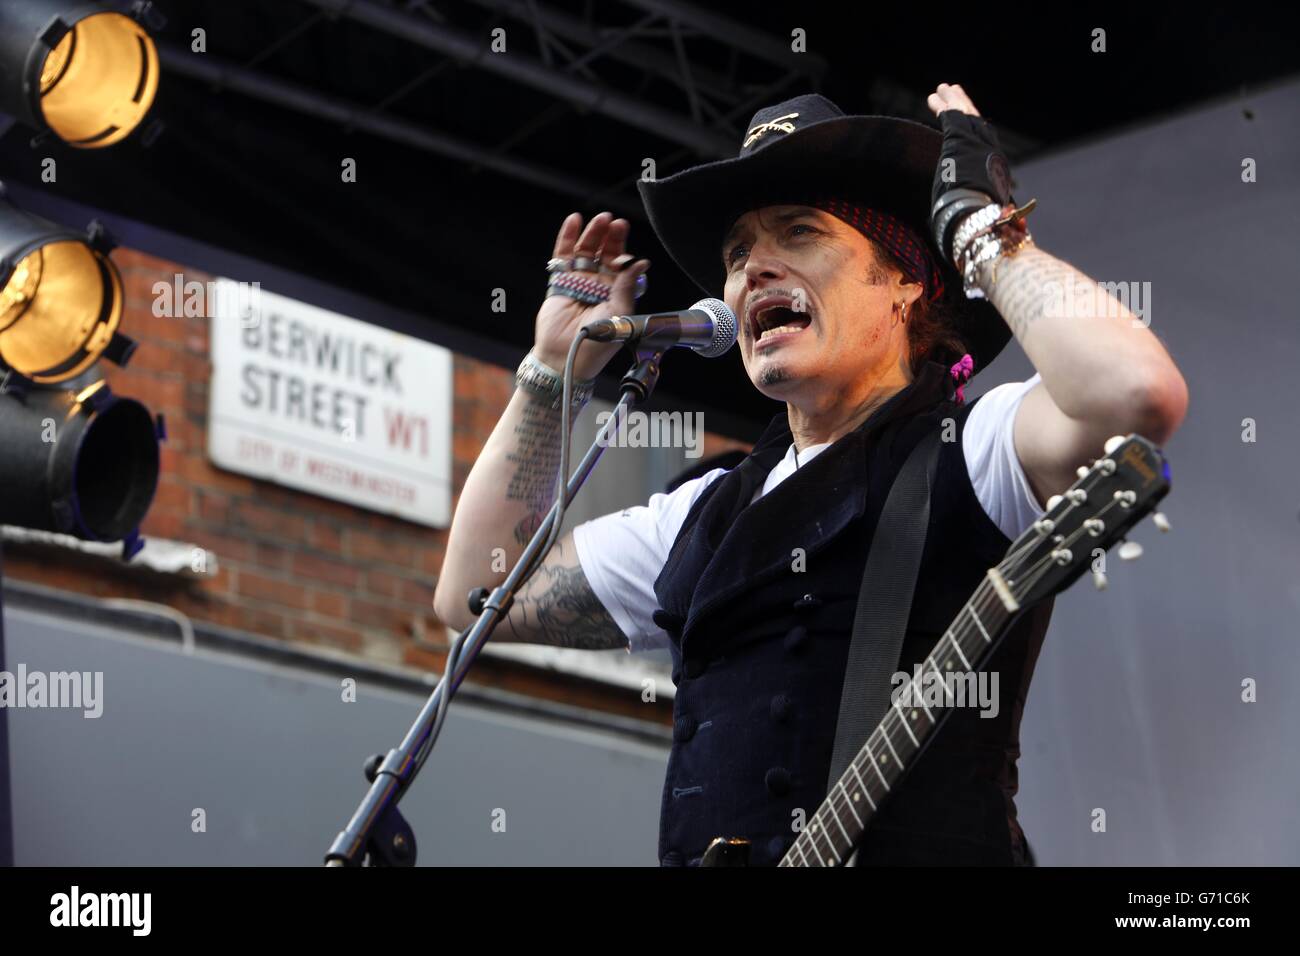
734 69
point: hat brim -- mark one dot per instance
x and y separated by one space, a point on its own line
881 161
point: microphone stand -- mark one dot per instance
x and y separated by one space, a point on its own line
378 834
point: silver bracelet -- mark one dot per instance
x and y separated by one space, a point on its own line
538 378
981 250
969 227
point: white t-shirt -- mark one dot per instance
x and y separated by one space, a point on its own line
623 553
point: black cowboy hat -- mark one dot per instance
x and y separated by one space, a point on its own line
799 150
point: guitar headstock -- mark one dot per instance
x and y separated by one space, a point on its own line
1110 497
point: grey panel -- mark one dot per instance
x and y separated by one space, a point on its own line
1136 703
273 755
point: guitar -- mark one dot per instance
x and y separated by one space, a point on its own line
1110 497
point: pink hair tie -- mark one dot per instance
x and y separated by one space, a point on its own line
961 372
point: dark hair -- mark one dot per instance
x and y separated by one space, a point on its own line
931 326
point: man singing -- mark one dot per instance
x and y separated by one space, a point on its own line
873 265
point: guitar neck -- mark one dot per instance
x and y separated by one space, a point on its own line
835 829
1110 497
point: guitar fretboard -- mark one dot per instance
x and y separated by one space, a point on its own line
829 837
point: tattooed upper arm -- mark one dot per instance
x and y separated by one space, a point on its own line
557 606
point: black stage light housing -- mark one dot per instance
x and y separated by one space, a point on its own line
60 298
83 463
85 73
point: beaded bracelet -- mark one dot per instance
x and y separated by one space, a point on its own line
587 291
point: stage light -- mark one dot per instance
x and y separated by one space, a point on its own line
83 462
87 74
60 298
74 458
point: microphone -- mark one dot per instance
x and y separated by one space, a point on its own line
708 327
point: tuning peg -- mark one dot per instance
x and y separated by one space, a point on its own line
1160 521
1099 579
1113 442
1053 501
1130 551
1082 471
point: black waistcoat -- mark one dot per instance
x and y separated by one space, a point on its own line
758 601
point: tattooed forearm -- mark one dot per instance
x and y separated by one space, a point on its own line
1096 358
536 459
1028 285
558 607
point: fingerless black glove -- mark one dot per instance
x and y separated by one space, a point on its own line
980 174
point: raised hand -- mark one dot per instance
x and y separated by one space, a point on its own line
560 316
950 96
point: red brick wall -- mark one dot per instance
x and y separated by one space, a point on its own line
292 566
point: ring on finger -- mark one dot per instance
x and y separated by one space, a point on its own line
582 263
617 265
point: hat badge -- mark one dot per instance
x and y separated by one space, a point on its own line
781 124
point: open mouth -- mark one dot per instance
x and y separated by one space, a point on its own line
777 322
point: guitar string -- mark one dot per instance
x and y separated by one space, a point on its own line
1033 575
983 593
1036 572
837 799
981 603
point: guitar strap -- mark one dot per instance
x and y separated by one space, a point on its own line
884 603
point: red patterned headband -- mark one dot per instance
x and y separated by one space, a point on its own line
910 249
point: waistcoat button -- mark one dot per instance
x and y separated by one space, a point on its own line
796 638
776 848
780 708
808 600
778 781
684 728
